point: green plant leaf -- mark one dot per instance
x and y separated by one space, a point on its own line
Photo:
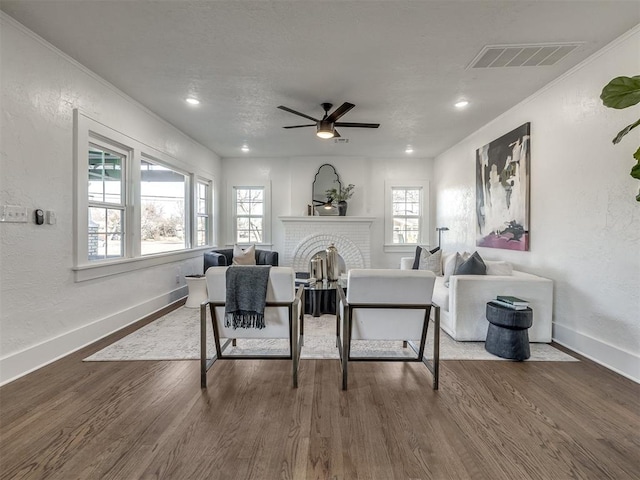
637 155
635 171
625 130
621 92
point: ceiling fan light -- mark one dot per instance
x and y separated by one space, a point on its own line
325 130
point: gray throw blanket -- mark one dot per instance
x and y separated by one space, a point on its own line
246 296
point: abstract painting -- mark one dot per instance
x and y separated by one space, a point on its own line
502 191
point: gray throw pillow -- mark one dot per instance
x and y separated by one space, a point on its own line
474 265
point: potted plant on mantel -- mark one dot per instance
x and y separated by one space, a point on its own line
341 196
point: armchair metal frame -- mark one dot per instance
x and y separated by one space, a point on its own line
294 338
347 329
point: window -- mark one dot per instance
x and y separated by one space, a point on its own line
135 206
162 208
249 214
203 205
406 214
106 203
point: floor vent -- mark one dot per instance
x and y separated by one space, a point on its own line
534 55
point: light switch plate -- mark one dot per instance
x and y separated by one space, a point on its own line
13 214
51 217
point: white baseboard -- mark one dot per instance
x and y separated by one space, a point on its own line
18 364
625 363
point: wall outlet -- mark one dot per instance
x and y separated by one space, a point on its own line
13 214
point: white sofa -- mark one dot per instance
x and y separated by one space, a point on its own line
463 303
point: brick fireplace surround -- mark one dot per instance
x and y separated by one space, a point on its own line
306 236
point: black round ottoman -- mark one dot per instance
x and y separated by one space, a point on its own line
507 336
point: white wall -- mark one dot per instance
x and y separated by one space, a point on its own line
291 180
585 222
44 313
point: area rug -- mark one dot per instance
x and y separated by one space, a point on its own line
176 336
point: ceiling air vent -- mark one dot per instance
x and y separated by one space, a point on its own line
341 140
534 55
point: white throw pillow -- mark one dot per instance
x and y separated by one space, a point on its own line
245 256
431 261
446 257
498 267
453 263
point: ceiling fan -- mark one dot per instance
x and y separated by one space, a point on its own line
325 128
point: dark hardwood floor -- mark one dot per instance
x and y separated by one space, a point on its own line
489 420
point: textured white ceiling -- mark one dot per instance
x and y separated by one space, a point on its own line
403 63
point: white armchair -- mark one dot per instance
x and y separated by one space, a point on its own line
283 312
386 304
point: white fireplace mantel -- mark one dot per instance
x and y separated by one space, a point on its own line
326 218
306 235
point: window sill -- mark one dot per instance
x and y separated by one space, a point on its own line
400 247
115 267
265 246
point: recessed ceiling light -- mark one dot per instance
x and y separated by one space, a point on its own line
244 148
461 104
409 149
193 101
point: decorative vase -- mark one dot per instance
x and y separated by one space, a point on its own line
333 264
317 268
342 208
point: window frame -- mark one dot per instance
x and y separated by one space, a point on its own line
418 217
88 131
126 154
424 220
207 214
146 157
233 217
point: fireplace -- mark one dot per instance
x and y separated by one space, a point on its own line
306 236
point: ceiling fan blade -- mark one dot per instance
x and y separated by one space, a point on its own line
354 124
287 109
300 126
336 134
340 111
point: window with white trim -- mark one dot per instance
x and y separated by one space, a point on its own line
106 199
135 206
249 214
406 214
406 207
163 210
203 213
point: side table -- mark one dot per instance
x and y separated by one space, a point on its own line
507 336
197 285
